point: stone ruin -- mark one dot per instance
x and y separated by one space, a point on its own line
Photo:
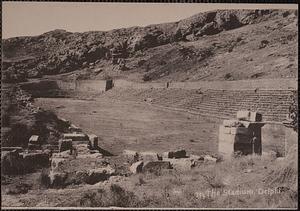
34 142
241 135
153 162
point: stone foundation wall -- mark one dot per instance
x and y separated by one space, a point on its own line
93 86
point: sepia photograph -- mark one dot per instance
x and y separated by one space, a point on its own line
112 105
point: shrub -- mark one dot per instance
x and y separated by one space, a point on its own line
114 196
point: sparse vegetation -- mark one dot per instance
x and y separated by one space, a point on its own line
207 45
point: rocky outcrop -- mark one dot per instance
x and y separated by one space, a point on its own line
60 51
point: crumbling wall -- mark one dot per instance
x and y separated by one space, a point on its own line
48 88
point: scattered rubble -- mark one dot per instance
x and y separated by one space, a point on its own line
137 167
208 158
183 164
156 167
131 156
150 156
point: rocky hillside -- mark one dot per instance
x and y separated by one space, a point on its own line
20 119
215 45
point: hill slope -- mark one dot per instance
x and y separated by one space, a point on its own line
215 45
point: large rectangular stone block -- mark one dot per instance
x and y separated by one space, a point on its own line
230 122
243 115
150 156
78 137
226 149
226 138
255 117
174 154
34 139
224 130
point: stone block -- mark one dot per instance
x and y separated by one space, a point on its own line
64 154
99 174
156 166
130 155
82 149
94 155
78 137
74 129
226 145
208 158
57 179
150 156
230 122
224 130
64 145
34 146
137 167
183 164
174 154
196 157
228 138
34 139
40 159
56 164
255 117
243 115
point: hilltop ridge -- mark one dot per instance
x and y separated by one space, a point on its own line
214 45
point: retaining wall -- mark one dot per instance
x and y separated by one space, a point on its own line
93 86
276 84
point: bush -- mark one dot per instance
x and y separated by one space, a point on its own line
114 196
146 77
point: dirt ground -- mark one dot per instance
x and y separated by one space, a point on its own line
137 126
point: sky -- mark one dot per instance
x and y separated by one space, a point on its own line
35 18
